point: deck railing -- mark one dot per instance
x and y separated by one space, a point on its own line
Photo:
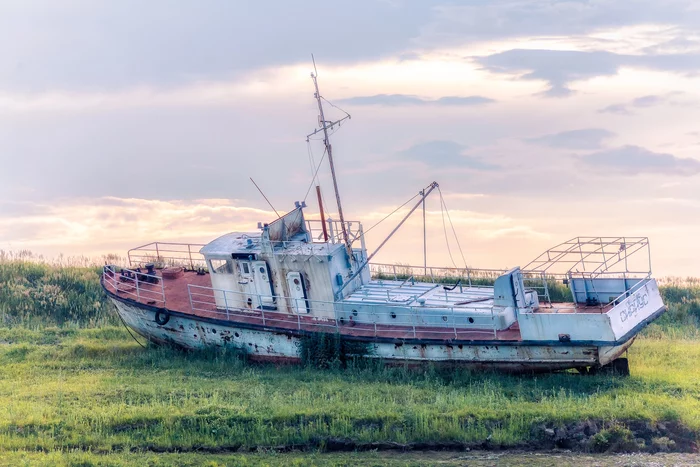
537 280
167 254
136 285
256 309
595 256
467 277
335 231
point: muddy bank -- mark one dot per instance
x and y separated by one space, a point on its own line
589 436
595 436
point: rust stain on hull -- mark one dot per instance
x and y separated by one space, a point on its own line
283 347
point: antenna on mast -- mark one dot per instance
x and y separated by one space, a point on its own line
325 126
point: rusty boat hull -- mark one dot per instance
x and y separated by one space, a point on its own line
265 343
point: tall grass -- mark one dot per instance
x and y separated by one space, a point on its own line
36 293
66 291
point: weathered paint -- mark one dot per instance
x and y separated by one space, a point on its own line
271 345
635 309
644 304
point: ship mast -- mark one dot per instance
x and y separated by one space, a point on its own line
325 125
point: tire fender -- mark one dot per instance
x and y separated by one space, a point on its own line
162 317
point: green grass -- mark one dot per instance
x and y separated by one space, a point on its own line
97 390
76 389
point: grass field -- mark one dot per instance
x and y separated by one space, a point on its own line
96 389
75 388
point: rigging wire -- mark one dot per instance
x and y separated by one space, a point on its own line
444 228
454 232
318 181
315 178
387 216
333 105
314 175
312 162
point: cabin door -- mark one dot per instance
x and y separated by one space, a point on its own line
263 284
297 292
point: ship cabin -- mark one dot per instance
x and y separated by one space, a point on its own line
283 268
289 267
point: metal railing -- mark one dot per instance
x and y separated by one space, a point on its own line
627 293
469 277
334 230
537 280
433 274
373 320
136 285
164 254
594 256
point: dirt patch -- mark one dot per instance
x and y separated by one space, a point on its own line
618 436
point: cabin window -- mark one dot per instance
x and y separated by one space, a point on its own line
245 269
221 266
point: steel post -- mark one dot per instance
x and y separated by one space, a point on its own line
225 304
189 293
454 322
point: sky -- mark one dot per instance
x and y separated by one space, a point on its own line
127 122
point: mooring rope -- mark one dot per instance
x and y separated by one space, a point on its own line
129 330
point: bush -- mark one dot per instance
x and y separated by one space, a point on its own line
614 439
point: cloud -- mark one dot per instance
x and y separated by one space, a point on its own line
96 46
648 101
589 138
392 100
82 44
444 153
639 102
619 109
677 44
86 222
632 160
463 22
559 68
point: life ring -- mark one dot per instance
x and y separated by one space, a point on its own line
162 317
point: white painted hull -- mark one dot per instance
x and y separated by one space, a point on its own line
269 344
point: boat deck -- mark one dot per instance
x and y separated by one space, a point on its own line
177 299
479 299
437 295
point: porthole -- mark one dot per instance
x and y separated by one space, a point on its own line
444 318
354 312
393 315
262 270
296 281
471 320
